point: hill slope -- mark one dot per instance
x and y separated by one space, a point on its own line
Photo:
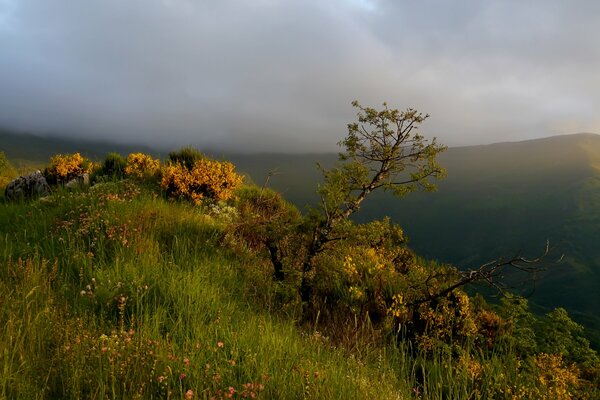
115 291
497 200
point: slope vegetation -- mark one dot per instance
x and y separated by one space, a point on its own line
159 281
497 200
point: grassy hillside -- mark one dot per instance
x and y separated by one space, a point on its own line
115 293
119 291
497 200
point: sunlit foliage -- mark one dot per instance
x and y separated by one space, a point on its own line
64 167
7 171
207 179
140 165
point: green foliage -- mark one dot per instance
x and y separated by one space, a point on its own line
144 301
7 171
115 292
186 156
383 150
268 225
113 166
4 164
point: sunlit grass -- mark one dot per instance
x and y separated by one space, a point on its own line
160 309
115 292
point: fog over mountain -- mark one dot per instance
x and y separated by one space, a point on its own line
279 75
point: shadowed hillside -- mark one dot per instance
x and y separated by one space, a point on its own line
25 148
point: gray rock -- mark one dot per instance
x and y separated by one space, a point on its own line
79 181
27 187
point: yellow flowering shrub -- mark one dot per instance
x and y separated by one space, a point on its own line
470 366
64 167
398 309
557 380
207 179
140 165
451 320
490 326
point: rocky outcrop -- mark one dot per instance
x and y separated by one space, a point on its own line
27 187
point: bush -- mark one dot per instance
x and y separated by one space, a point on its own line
186 156
114 166
7 172
140 165
207 179
65 167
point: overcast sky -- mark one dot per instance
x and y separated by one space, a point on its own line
271 75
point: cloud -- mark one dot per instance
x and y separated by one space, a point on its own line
280 75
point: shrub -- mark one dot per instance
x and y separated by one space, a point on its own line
7 172
65 167
140 165
268 223
207 179
186 156
114 166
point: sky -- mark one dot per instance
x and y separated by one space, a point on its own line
268 75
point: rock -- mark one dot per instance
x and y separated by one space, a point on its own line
27 187
79 181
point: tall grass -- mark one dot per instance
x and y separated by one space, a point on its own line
114 292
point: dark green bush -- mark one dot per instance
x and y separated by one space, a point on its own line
114 166
186 156
268 222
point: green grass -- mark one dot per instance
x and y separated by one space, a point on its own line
73 285
115 292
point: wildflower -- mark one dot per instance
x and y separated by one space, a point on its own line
186 362
220 344
182 376
189 394
417 392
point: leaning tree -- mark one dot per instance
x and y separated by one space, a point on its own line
384 150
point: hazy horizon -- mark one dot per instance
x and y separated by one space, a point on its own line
272 76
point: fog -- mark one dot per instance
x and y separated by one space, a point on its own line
267 75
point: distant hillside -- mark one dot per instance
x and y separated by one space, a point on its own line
33 149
